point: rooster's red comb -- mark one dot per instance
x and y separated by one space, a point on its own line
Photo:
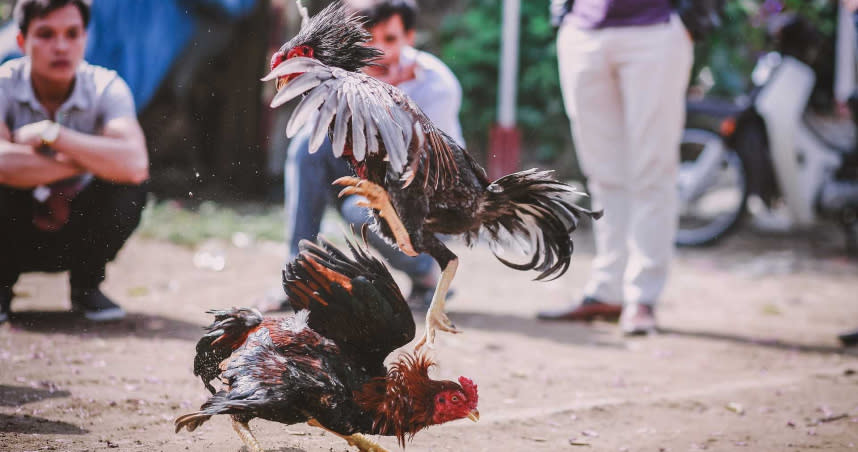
470 389
276 59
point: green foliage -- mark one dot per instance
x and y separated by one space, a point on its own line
169 220
730 53
5 11
471 47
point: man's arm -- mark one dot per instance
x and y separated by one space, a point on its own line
22 167
118 155
437 92
441 102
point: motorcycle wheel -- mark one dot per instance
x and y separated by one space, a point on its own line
713 188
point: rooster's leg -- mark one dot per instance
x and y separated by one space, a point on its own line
436 318
363 443
378 199
246 436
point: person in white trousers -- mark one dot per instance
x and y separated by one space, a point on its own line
844 87
624 72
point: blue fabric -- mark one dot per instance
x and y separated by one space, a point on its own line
141 39
308 189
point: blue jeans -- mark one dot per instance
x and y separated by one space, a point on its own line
308 188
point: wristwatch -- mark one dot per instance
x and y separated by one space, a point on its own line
50 133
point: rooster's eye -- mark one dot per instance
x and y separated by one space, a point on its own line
300 51
454 398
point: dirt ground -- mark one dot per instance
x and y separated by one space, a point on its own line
747 359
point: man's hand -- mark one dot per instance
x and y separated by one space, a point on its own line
394 74
32 134
851 5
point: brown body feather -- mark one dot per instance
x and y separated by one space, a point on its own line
401 403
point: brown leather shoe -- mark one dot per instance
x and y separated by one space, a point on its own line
590 309
638 320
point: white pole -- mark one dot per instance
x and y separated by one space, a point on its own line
508 64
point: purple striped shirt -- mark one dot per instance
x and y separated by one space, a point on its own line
619 13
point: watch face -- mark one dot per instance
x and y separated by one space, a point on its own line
41 193
50 133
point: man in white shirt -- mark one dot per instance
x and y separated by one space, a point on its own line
308 176
72 157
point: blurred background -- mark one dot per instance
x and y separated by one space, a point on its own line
206 115
195 65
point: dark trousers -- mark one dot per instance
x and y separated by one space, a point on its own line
103 216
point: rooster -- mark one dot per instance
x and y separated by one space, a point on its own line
416 179
325 364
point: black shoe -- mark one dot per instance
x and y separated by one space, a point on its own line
849 338
95 306
6 296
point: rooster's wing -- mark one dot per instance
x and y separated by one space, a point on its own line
353 301
366 115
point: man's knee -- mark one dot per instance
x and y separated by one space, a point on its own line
15 204
109 213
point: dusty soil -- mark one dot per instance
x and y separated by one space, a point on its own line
747 359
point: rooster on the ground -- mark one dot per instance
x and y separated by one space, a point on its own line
325 365
415 178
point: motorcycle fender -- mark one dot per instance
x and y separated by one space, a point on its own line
750 142
781 103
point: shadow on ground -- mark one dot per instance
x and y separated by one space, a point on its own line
144 326
32 424
764 342
825 241
561 332
585 334
20 395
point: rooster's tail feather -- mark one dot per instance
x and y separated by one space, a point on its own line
219 403
191 421
532 207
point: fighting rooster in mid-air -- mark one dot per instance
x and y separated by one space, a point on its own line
325 364
417 180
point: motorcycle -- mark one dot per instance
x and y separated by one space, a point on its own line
769 154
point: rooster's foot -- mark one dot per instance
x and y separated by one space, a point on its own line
435 321
378 199
363 443
436 318
246 436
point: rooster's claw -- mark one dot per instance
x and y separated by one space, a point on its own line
377 198
435 321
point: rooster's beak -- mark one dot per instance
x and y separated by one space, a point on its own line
474 415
